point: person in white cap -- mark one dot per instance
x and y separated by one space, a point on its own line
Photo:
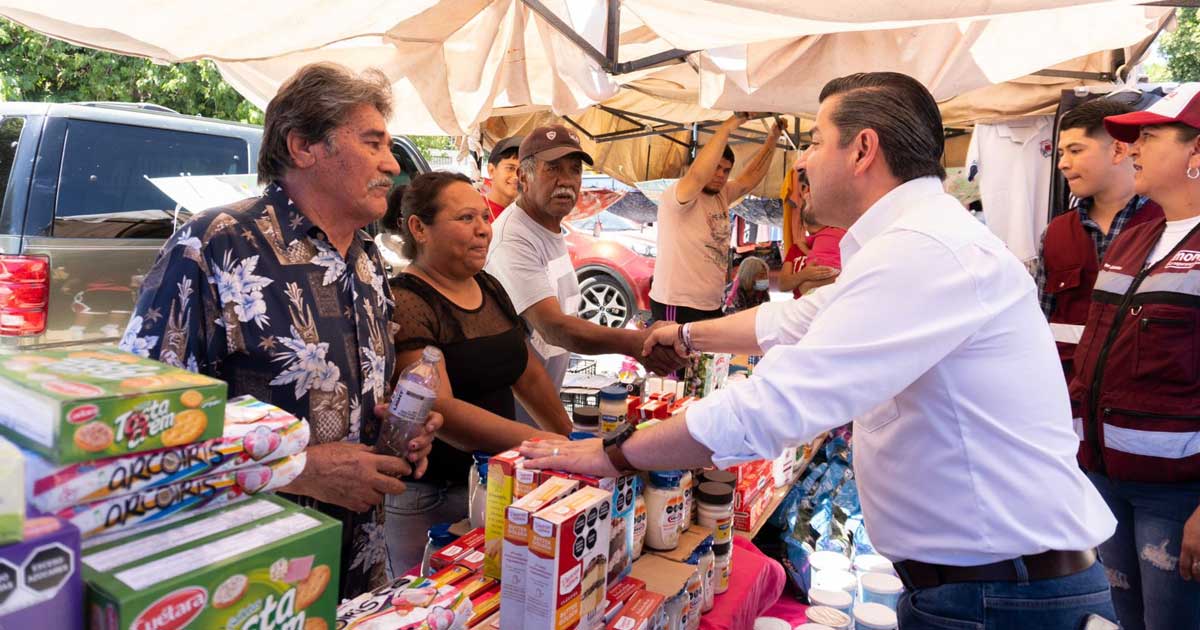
1136 392
933 342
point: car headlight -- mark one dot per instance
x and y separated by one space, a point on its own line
649 251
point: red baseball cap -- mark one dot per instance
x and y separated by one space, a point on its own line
1181 105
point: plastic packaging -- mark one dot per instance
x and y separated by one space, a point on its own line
477 488
723 565
412 400
439 537
639 526
687 484
664 509
706 560
586 419
835 619
873 563
881 588
835 580
715 510
838 600
614 408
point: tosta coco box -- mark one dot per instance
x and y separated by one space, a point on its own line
202 493
81 405
264 564
255 433
516 545
566 581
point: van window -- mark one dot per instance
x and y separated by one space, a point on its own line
104 191
10 133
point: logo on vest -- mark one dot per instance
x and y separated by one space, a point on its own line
1185 259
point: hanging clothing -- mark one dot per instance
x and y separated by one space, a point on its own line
1014 162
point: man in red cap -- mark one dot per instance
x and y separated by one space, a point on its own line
1136 392
528 254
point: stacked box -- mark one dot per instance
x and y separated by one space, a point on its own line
643 612
469 543
516 545
624 489
12 493
40 581
502 471
568 558
263 563
255 433
81 405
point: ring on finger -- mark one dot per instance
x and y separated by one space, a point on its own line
554 453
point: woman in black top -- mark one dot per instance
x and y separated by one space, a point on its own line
445 299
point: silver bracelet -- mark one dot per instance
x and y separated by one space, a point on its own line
686 330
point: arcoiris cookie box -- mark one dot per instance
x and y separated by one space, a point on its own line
80 405
255 433
263 564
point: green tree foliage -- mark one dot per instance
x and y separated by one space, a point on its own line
36 68
1181 49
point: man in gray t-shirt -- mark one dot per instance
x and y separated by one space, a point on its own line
529 256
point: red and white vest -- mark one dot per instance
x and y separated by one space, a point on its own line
1136 392
1071 266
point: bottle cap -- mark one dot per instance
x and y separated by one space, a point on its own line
666 478
580 435
715 493
723 549
586 416
431 354
614 392
719 476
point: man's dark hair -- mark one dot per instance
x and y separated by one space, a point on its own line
418 198
901 111
495 158
727 154
1090 116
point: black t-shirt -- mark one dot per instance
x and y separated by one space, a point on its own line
484 350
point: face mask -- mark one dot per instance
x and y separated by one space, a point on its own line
762 285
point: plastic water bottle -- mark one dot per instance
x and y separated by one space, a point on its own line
439 538
413 399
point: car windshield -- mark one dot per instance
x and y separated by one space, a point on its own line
609 222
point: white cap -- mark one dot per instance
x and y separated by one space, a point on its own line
874 617
868 562
825 560
835 580
771 623
833 618
839 599
882 583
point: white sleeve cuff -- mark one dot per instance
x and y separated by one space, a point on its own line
767 324
711 422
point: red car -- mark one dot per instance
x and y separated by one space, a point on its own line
614 260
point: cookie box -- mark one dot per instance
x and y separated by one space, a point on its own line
12 492
40 580
81 405
566 581
408 603
154 504
255 433
262 564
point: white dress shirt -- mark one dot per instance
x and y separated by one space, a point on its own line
932 340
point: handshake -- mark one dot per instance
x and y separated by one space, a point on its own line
660 349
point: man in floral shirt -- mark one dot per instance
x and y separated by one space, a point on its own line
284 297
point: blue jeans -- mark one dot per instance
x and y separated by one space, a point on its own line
409 517
1058 604
1143 555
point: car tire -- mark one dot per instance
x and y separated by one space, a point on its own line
604 301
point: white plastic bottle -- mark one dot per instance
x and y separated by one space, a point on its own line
413 399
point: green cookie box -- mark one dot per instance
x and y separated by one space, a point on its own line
261 564
80 405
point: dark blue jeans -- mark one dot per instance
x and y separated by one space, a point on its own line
1143 555
1058 604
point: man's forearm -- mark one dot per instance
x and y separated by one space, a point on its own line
735 334
666 446
583 337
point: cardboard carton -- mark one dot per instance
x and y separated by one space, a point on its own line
12 493
82 405
255 433
643 612
40 582
568 559
517 531
265 563
502 470
619 594
450 554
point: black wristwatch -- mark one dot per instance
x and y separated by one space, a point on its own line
612 448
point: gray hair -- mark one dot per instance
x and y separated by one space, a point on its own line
313 102
748 272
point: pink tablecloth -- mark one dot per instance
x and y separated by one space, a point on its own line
754 586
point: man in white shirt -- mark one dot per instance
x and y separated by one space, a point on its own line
933 342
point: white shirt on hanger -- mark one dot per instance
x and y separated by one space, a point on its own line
1014 162
932 340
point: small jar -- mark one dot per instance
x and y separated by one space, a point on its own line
706 560
614 408
639 526
880 588
874 617
835 619
439 537
723 565
695 586
689 500
838 600
664 509
714 509
586 419
477 486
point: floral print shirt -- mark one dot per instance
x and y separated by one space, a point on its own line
255 294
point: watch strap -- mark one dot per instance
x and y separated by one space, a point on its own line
617 458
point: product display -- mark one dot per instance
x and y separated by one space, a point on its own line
12 492
81 405
40 580
566 582
835 619
840 600
502 470
477 489
687 484
715 510
874 617
517 534
664 509
613 408
880 588
265 559
644 611
255 433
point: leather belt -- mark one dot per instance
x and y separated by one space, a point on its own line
1043 566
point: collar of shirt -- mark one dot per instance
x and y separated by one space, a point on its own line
1084 208
294 223
885 212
